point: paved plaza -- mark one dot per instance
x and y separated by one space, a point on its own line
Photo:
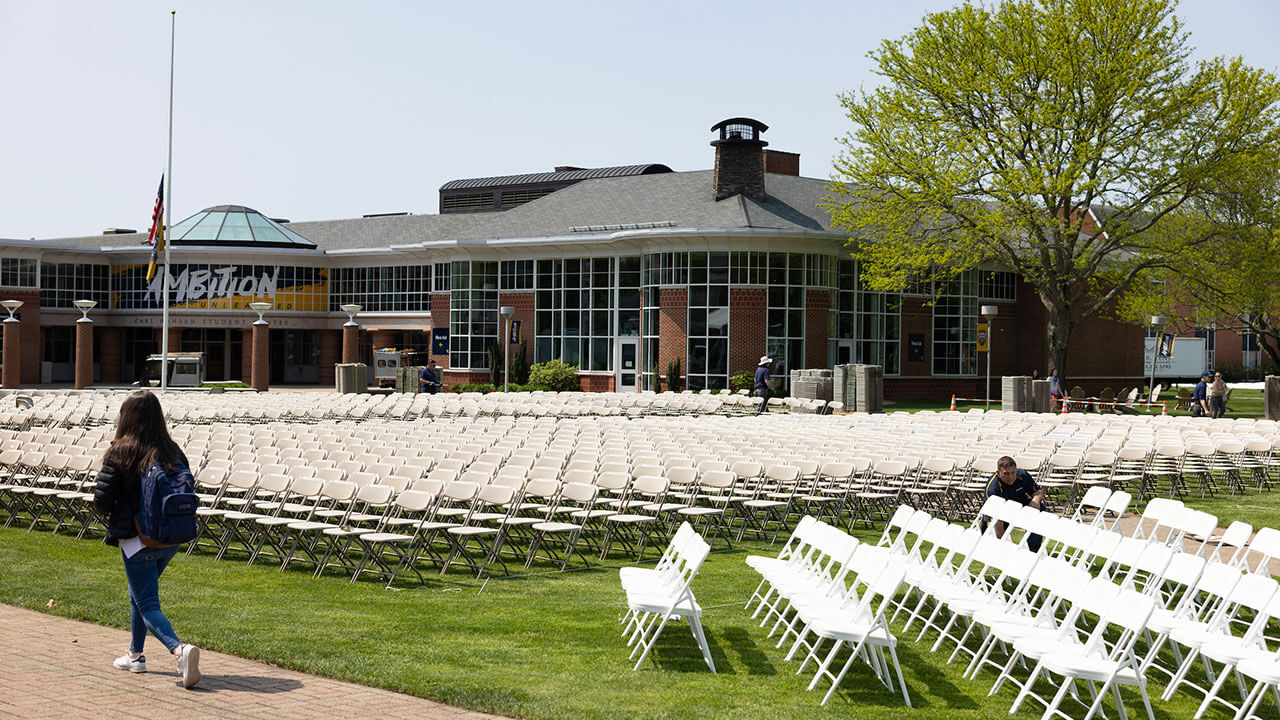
59 668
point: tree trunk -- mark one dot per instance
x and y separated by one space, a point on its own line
1057 335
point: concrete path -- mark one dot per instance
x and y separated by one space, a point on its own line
52 667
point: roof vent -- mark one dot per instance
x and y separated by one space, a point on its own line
119 231
377 215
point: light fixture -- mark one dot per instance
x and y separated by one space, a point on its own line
351 309
260 307
989 312
11 306
85 306
507 311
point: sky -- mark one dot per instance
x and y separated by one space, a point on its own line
319 109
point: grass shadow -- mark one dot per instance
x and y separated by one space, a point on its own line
752 657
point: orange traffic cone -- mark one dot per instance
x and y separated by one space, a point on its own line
1164 409
953 402
1065 404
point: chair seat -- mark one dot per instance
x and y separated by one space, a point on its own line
555 527
1088 667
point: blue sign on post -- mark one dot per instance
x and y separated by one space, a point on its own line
439 341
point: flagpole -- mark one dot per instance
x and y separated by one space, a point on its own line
168 205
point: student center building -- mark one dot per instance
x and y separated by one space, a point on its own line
617 270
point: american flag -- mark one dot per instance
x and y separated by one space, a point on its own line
155 238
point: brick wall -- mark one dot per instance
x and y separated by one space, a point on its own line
673 327
782 163
523 303
111 355
817 327
747 325
597 383
330 342
739 169
440 319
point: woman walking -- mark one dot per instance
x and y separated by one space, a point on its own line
141 441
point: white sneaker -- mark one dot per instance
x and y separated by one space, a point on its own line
189 665
132 664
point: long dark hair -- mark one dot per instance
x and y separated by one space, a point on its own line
142 438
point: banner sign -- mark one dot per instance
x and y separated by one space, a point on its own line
221 287
982 337
440 341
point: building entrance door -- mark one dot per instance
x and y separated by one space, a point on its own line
844 352
626 365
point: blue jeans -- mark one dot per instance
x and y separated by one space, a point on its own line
143 572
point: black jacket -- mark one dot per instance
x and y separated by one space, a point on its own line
116 497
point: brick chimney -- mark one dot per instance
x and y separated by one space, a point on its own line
739 158
781 163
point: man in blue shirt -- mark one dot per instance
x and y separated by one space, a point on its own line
763 388
1200 397
428 380
1017 485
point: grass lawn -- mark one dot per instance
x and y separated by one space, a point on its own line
1245 403
539 646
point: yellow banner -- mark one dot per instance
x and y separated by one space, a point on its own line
982 337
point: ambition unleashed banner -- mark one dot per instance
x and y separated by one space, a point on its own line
221 287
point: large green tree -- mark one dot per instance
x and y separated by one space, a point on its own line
1069 140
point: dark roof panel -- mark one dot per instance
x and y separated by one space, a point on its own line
554 177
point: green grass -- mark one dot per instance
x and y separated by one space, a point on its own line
539 646
1244 404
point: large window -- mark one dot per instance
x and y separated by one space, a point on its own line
574 312
223 287
473 313
17 272
708 336
955 326
394 288
784 319
61 284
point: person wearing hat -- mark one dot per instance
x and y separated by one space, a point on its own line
1218 396
1200 396
428 380
764 383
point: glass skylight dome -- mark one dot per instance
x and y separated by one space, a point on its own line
235 226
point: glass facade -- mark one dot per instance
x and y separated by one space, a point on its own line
61 284
222 287
955 326
575 310
17 272
390 288
473 313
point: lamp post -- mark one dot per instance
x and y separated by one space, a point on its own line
84 344
11 358
351 334
1157 322
259 374
506 311
989 312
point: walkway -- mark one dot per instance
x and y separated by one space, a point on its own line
60 668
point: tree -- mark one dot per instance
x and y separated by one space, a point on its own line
1235 282
1067 140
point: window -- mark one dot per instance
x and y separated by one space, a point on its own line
997 285
61 284
17 272
955 326
707 344
515 275
473 313
440 278
224 287
576 311
394 288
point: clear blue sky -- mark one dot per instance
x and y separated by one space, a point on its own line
324 109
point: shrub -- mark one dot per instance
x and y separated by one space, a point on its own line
742 380
675 383
470 387
495 363
554 375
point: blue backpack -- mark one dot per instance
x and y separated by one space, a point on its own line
167 515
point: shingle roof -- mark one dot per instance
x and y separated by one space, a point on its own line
676 200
